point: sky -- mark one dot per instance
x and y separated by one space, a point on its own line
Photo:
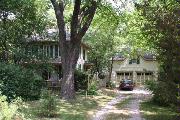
123 5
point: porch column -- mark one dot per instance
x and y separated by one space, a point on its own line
144 78
134 77
140 78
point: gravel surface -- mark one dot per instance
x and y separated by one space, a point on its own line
132 108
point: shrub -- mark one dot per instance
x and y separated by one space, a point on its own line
151 85
110 84
93 88
164 94
80 80
8 110
16 81
48 104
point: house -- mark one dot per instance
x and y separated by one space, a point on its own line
48 47
140 69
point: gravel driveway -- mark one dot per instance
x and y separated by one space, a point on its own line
132 108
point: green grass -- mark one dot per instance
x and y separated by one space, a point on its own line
79 109
150 111
123 103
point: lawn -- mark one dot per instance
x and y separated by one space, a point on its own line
79 109
150 111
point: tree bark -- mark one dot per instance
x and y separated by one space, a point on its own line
110 68
70 48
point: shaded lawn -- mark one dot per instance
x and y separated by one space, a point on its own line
151 111
80 109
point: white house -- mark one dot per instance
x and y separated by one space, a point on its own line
48 46
141 69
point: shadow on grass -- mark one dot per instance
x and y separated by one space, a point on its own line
77 109
150 111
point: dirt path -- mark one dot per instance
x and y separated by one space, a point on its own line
131 109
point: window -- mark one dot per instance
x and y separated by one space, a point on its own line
59 51
48 52
56 51
133 61
120 73
148 73
40 48
44 51
139 73
126 73
51 51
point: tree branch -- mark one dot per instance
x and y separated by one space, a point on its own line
89 14
59 9
74 20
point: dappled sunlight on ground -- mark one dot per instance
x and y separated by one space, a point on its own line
82 108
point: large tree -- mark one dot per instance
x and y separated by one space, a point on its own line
80 21
19 19
161 28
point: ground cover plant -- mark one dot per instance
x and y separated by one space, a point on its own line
151 111
82 108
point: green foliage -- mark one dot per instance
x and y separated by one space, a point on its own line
19 19
110 84
151 85
92 88
102 40
165 94
16 81
151 111
8 110
48 104
161 28
80 80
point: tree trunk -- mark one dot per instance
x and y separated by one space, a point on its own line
67 86
110 68
80 22
69 61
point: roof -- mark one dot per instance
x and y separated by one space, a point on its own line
146 56
51 36
119 57
149 57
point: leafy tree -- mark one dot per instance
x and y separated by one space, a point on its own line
80 20
104 41
160 27
19 19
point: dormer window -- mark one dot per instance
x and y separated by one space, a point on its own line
134 61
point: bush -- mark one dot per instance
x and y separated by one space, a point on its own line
80 80
16 81
110 84
151 85
93 88
8 110
48 104
164 94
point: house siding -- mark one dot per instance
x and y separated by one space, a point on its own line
139 73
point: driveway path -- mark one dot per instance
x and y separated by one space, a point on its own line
132 108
